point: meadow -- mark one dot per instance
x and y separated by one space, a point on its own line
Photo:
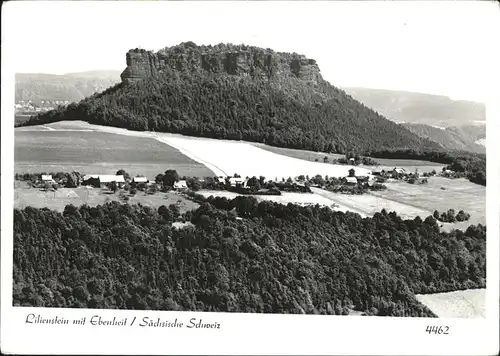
408 200
230 157
384 163
458 194
76 145
469 303
60 148
27 196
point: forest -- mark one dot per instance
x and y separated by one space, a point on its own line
239 256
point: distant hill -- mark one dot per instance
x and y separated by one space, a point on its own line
242 93
97 74
417 108
68 87
462 138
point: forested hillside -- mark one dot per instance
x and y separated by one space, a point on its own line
276 259
451 138
419 108
240 93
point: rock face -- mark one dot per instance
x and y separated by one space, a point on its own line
238 60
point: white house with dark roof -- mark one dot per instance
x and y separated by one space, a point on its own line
47 178
351 180
237 181
182 184
99 179
140 180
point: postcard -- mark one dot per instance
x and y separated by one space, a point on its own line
250 178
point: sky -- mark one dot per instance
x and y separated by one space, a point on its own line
430 47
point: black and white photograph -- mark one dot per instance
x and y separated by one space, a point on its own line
288 159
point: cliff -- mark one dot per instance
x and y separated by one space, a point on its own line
238 60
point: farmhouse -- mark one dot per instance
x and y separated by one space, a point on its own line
140 180
351 180
97 180
47 178
362 179
180 185
237 181
399 170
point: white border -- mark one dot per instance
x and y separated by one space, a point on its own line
247 333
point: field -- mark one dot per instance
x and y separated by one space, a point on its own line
26 196
60 148
230 157
459 304
385 163
459 194
284 198
66 146
63 145
408 200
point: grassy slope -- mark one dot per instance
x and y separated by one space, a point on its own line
98 152
312 156
26 196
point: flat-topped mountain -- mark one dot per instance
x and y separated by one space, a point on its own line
240 60
239 92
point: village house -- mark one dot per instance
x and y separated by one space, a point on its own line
362 179
47 179
351 180
448 173
399 170
237 181
97 180
180 185
140 180
378 172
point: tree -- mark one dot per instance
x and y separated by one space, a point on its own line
436 214
122 172
159 178
451 215
352 172
71 182
171 176
325 159
254 184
